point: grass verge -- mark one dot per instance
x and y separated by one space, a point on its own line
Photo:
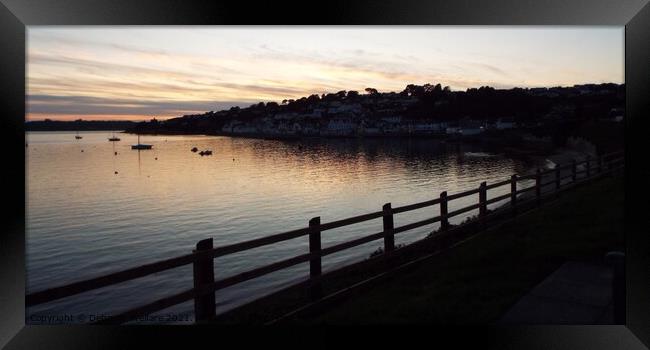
476 282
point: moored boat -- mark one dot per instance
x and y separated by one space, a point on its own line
141 145
114 138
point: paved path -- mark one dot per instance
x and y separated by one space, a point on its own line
577 293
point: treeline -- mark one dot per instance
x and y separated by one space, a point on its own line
78 125
522 105
417 102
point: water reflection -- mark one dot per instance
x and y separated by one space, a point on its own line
83 219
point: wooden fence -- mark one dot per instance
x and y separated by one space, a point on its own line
202 258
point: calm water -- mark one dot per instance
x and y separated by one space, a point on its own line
84 219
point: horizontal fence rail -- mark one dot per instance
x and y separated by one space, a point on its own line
203 256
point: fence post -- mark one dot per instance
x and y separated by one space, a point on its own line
588 166
204 306
389 236
444 220
574 170
558 181
482 198
482 206
315 268
538 186
513 193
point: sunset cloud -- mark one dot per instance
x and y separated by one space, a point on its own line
104 72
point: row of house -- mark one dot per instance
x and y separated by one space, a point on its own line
575 90
380 116
346 125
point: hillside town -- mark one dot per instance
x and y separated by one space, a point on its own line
426 110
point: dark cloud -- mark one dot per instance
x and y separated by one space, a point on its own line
99 67
85 105
380 66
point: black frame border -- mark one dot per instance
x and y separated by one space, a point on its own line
15 15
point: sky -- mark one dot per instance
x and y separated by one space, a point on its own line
141 72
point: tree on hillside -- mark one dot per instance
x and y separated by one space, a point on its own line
432 89
353 94
312 99
413 90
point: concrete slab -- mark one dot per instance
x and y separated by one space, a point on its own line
576 293
580 283
596 274
532 310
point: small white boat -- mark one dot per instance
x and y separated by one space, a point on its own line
112 139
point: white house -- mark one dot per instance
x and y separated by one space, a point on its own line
467 131
352 107
315 113
393 119
428 127
310 129
340 126
471 127
451 130
505 123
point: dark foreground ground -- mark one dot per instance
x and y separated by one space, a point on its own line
480 280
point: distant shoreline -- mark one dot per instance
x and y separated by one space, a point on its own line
78 125
121 131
